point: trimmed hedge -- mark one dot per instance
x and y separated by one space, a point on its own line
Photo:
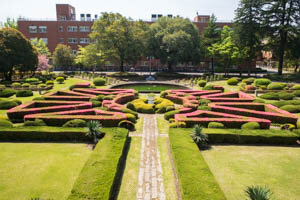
286 96
99 176
96 103
195 178
201 83
262 81
296 87
276 86
161 105
75 123
24 93
297 93
291 108
5 105
131 117
126 124
169 115
7 93
204 108
141 106
99 81
60 79
5 123
36 122
251 126
248 81
215 125
232 81
270 96
177 125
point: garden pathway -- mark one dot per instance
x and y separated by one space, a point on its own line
150 181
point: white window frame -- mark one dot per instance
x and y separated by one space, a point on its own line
72 40
32 29
45 40
84 40
42 29
84 29
72 28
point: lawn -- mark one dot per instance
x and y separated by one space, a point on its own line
40 170
236 167
162 124
148 87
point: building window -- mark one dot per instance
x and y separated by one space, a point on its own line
61 29
32 29
72 40
84 28
84 40
63 18
43 29
74 52
31 39
72 28
61 40
45 40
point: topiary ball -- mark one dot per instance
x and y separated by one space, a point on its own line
251 126
262 81
275 86
232 81
60 79
99 81
215 125
201 83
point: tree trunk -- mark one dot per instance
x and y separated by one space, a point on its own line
296 68
170 69
212 66
121 65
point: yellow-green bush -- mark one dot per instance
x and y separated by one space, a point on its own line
141 106
162 105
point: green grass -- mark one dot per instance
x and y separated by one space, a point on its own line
236 167
152 87
39 170
130 177
162 124
67 84
195 178
97 177
139 125
227 88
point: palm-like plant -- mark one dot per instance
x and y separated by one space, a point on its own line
94 130
258 193
199 137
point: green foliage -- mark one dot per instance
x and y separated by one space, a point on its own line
209 87
201 83
276 86
204 108
162 104
177 125
5 123
291 108
60 79
16 53
262 81
131 117
75 123
251 126
38 98
297 93
232 81
127 124
99 81
90 56
258 101
19 102
94 130
41 47
163 94
26 85
5 105
141 106
24 93
16 84
198 136
50 83
286 96
62 56
169 115
289 127
126 110
42 85
36 122
258 193
296 87
131 106
7 93
215 125
96 103
270 96
204 102
248 81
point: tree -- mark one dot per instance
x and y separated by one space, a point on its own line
63 56
10 23
114 35
16 53
89 56
41 47
248 29
293 54
281 20
174 40
210 35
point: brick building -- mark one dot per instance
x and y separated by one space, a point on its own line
66 29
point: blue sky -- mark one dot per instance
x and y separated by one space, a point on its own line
136 9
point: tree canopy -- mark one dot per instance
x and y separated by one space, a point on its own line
16 53
62 56
41 47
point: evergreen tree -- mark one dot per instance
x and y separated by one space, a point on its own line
63 56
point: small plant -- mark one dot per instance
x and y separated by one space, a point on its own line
258 193
94 130
198 136
60 79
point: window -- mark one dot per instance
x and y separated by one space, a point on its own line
43 29
72 28
32 29
31 39
45 40
74 52
63 18
61 40
72 40
84 28
84 40
61 29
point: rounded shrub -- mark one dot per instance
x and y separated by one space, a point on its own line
75 123
275 86
169 115
5 105
201 83
127 124
296 87
204 102
19 102
215 125
16 85
26 85
50 82
131 106
5 123
262 81
7 93
96 103
131 117
251 125
36 122
248 81
209 87
204 108
177 125
171 120
60 79
286 96
270 96
24 93
297 93
31 80
42 85
170 108
99 81
291 108
232 81
38 98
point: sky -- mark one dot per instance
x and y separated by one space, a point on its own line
136 9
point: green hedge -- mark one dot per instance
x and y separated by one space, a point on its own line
99 81
262 81
195 178
24 93
7 93
276 86
232 81
5 105
42 133
99 176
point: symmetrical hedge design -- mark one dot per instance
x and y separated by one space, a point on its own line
62 106
229 97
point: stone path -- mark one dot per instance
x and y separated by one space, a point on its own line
150 182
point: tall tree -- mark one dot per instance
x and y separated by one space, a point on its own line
210 35
281 19
114 35
248 29
16 53
174 40
41 47
62 56
10 23
293 53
